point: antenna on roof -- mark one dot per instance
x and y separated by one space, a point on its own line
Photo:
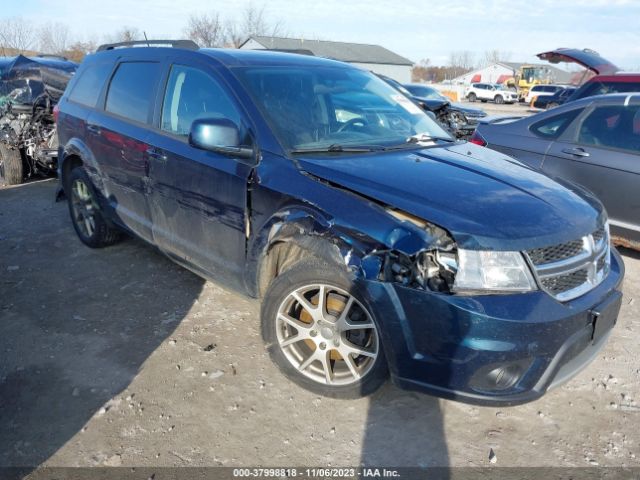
145 37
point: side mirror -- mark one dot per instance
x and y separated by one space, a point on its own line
218 135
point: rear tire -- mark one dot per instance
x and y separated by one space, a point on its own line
472 97
324 350
86 216
11 167
552 105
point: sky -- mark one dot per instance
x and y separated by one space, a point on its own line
416 29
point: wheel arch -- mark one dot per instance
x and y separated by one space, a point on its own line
296 233
75 153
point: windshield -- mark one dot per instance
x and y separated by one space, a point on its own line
311 108
426 92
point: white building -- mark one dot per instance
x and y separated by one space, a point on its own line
370 57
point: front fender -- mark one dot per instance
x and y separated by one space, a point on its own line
309 229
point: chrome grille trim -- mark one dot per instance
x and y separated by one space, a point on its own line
569 270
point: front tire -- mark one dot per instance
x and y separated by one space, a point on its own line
499 99
11 167
320 331
86 216
472 97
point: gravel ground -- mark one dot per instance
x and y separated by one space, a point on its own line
504 109
119 357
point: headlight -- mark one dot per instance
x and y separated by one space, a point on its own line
494 271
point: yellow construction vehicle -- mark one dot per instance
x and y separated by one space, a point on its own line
526 77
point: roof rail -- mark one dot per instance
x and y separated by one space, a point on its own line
186 44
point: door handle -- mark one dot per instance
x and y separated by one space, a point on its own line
156 154
95 129
577 151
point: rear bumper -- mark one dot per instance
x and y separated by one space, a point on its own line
449 345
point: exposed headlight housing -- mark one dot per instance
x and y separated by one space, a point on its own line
484 270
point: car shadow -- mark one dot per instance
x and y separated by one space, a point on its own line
76 325
405 429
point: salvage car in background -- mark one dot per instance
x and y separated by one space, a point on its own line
30 87
377 243
458 120
550 101
426 94
594 142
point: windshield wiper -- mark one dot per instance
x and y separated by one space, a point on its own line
336 148
424 137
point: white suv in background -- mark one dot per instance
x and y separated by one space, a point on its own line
541 91
490 92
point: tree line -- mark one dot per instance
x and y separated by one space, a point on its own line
209 29
458 63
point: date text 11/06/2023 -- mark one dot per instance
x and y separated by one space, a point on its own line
304 473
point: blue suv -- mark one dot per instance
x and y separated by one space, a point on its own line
378 245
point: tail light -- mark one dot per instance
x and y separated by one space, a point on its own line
478 139
56 113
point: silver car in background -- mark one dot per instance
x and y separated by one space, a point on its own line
594 142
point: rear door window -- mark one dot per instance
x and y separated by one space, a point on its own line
551 128
612 126
90 83
132 90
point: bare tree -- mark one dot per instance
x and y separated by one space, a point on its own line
206 30
16 35
460 62
53 38
495 56
78 50
254 22
125 34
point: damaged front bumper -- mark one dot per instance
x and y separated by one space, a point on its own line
491 349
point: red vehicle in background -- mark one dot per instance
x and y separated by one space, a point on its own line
608 77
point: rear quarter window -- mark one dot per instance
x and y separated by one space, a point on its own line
90 83
132 90
551 128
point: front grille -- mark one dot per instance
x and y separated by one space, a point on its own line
599 234
571 269
564 283
554 253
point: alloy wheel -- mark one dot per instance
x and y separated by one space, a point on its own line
84 208
327 334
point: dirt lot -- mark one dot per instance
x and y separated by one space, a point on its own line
119 357
504 109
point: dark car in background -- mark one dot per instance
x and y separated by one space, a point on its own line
457 119
594 142
549 101
425 93
378 244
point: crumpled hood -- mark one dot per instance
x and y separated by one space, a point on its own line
483 198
